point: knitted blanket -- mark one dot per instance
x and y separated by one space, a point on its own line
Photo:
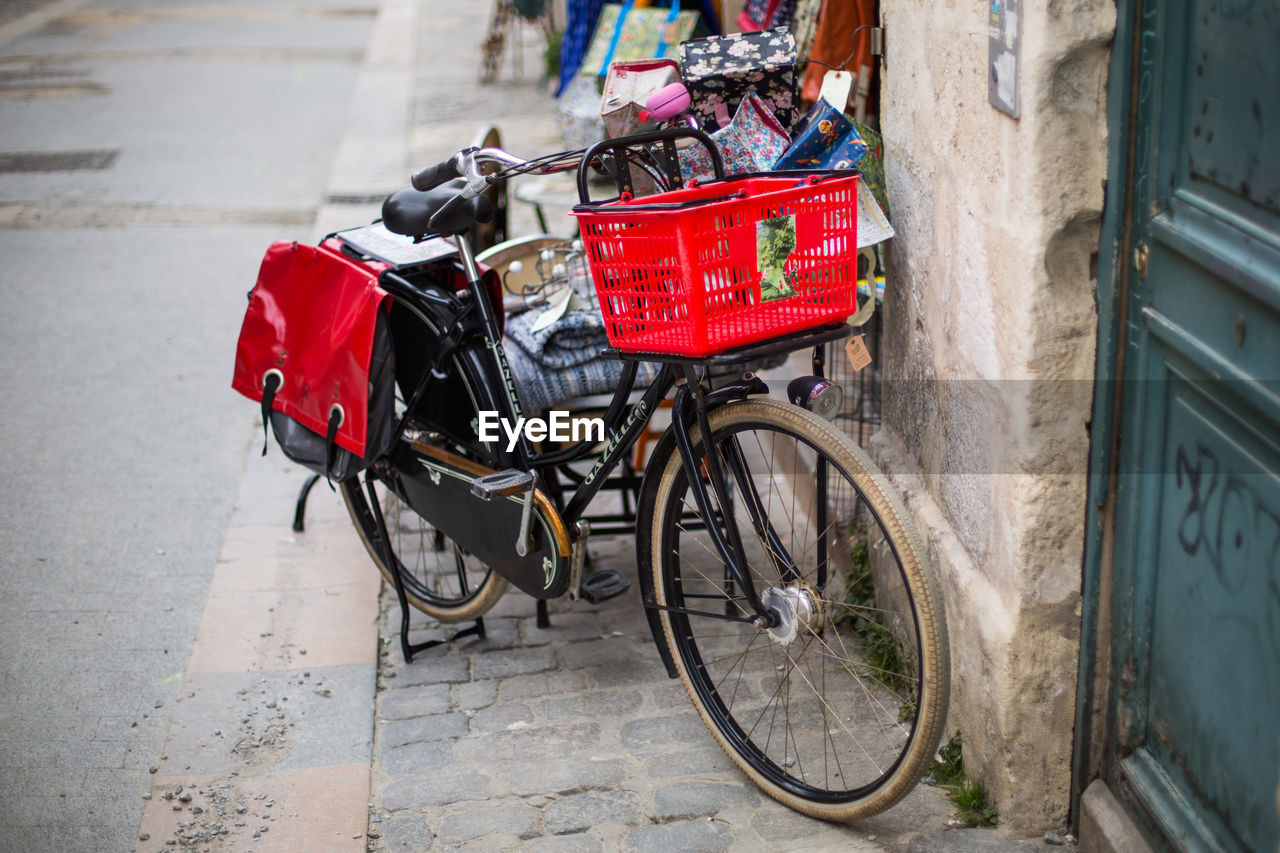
562 361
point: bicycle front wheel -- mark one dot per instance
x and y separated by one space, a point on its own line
838 709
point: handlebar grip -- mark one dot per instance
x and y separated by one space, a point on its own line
433 176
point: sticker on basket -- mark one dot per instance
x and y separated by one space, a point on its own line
775 241
856 349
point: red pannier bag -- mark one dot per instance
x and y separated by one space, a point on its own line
315 350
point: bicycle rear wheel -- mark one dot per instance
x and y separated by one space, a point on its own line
838 710
440 578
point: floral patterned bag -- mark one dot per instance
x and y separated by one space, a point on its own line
720 70
751 142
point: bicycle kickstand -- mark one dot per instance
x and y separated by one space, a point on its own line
408 649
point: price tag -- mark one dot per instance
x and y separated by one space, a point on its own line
836 86
856 349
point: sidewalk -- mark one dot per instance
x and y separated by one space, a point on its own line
269 746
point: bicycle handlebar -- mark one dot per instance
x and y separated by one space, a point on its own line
433 176
467 164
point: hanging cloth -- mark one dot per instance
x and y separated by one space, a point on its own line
580 25
759 15
804 24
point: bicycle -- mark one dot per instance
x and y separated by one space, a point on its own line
780 575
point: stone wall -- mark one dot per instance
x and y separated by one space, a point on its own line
988 358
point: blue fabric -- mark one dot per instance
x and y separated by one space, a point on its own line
662 45
617 34
562 361
709 18
824 139
579 26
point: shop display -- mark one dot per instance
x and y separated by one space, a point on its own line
628 31
751 142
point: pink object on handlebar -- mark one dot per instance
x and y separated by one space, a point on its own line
666 103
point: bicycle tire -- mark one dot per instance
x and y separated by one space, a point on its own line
826 722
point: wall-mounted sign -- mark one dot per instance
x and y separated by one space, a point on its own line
1002 55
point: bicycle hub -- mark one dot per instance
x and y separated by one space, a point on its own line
795 608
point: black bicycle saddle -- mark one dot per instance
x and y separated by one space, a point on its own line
409 211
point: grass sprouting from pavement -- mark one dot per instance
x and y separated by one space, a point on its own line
969 794
864 616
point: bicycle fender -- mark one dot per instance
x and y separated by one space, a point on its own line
739 389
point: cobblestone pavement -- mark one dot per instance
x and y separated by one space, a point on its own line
568 738
572 738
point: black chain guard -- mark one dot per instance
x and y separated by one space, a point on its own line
437 486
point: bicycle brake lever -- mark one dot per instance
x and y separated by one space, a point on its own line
477 182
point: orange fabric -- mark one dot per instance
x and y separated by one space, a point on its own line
834 41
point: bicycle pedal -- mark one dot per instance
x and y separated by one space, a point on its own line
501 483
603 584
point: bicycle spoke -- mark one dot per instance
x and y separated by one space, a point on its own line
868 693
460 567
742 660
436 572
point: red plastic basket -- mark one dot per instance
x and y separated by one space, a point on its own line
681 273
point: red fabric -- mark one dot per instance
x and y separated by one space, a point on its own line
312 315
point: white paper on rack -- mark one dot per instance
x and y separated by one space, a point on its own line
836 86
873 225
560 302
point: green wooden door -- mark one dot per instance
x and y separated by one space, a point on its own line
1192 734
